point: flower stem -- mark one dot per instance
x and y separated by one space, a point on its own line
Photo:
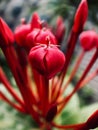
70 49
21 81
8 86
77 87
75 68
45 96
37 79
72 126
16 106
89 78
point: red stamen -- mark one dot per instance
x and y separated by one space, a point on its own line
89 78
45 96
73 126
8 86
16 106
75 68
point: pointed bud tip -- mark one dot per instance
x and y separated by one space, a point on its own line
80 16
35 21
6 35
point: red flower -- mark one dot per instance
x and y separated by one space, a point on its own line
88 39
40 36
6 35
47 60
21 33
27 35
40 98
23 30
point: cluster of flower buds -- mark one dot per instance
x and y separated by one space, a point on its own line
39 67
32 34
43 45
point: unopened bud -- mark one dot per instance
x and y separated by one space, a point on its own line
40 36
51 113
88 40
80 16
47 60
6 35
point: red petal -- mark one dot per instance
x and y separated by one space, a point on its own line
42 37
55 60
31 38
36 57
21 33
47 60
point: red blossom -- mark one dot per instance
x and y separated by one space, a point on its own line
27 35
88 40
47 60
23 30
21 33
42 98
40 36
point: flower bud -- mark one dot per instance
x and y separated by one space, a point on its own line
35 21
47 60
80 16
40 36
60 29
6 35
88 40
21 33
92 122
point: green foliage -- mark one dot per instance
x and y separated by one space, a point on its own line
10 119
